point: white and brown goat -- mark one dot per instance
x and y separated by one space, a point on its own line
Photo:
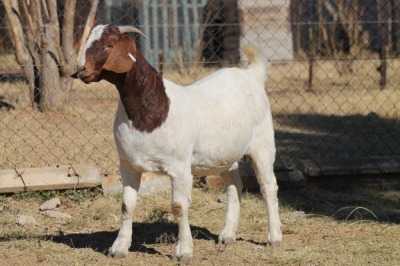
201 129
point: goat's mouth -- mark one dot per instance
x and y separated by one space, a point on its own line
84 76
88 78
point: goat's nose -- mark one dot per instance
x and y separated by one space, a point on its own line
76 74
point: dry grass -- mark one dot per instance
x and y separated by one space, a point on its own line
318 237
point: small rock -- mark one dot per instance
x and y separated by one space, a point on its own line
25 220
57 214
50 204
4 209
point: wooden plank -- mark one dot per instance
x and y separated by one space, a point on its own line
351 166
49 178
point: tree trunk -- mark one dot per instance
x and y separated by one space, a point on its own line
53 95
47 59
21 51
68 38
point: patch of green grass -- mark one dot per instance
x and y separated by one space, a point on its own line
81 195
77 196
3 198
31 196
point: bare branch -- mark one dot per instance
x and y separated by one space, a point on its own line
27 15
45 10
32 35
50 6
53 32
15 25
88 25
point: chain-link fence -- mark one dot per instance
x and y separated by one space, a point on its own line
332 84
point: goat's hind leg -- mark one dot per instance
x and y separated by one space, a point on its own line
233 186
131 183
263 160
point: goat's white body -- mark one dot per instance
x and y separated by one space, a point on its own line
210 124
209 127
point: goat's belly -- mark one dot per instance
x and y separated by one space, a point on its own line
208 163
205 171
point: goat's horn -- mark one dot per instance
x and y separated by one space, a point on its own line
125 29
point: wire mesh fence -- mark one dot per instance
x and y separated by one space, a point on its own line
332 83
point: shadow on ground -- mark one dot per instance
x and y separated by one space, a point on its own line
348 204
144 234
7 106
316 136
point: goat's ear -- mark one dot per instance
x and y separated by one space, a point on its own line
119 60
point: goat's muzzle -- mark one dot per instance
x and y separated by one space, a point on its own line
76 74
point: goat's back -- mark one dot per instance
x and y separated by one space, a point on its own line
221 112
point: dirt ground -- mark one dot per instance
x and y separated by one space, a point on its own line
321 227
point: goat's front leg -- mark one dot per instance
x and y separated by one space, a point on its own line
131 183
181 198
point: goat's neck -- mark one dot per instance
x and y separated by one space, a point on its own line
143 95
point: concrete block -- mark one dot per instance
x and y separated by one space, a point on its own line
150 183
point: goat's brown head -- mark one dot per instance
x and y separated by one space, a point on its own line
107 48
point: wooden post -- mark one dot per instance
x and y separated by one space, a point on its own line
396 26
310 54
294 19
323 30
383 29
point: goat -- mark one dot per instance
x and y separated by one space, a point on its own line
201 129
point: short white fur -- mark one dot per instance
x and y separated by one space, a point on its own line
94 35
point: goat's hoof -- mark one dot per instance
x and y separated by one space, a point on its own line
275 240
226 241
117 254
275 243
185 258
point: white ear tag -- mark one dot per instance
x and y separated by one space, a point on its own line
132 57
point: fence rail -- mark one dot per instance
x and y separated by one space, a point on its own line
323 106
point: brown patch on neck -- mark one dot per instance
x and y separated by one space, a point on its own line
143 95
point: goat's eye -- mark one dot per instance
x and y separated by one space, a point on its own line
109 46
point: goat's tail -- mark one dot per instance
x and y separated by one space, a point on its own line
258 64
